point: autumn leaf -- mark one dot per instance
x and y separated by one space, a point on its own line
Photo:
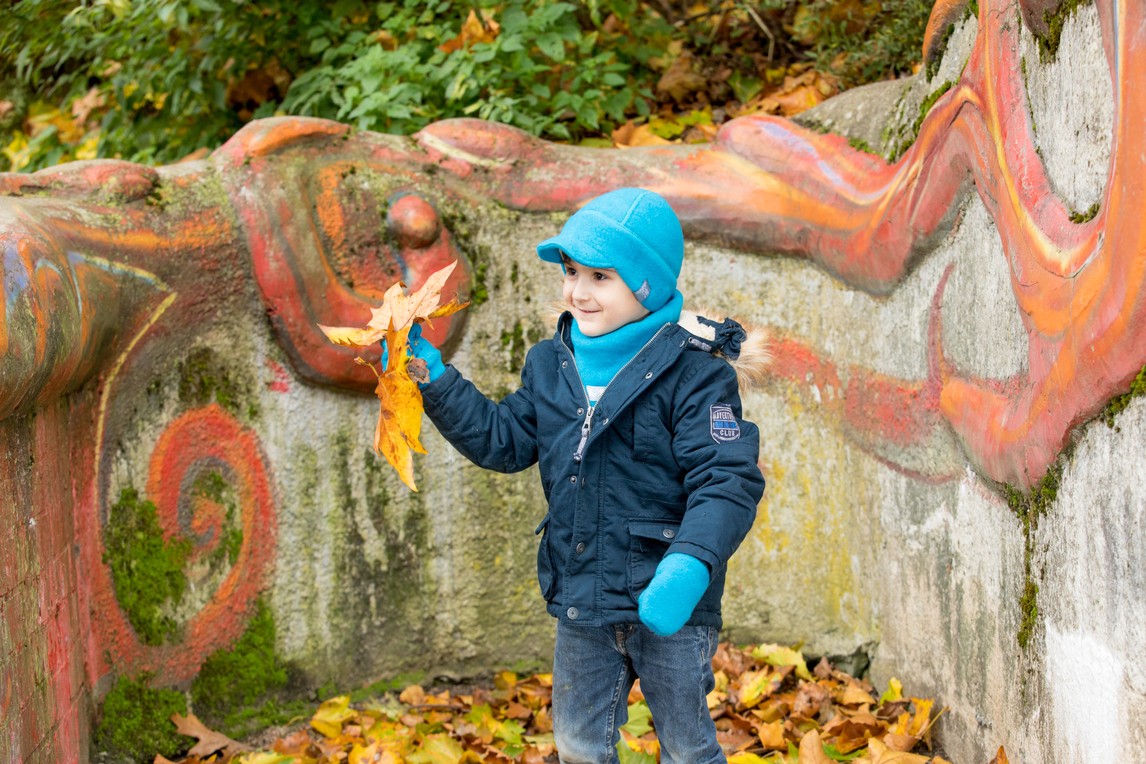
776 655
438 749
881 754
474 30
210 742
508 720
1000 757
330 716
267 758
398 432
812 749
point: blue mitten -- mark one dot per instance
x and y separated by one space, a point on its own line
421 348
679 583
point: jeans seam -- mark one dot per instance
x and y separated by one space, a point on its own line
611 727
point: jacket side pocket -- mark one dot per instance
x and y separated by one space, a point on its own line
546 575
648 543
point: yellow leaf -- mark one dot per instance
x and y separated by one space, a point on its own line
772 736
755 686
352 336
331 715
748 758
438 749
398 432
922 716
893 692
777 655
265 757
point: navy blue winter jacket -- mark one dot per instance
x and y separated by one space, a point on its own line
663 463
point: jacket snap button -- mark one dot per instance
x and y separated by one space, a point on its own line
572 478
580 547
648 375
605 420
564 364
580 412
668 533
572 613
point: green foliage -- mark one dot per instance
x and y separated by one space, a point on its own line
147 569
862 46
135 722
155 80
232 682
546 70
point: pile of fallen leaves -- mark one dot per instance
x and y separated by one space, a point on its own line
768 707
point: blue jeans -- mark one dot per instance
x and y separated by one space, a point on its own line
594 668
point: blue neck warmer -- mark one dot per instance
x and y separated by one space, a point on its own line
600 358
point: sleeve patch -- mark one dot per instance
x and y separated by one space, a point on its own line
723 424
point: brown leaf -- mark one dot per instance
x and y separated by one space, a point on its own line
881 754
679 80
772 736
474 30
413 695
809 699
812 749
210 742
899 742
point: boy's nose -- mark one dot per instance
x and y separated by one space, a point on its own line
580 290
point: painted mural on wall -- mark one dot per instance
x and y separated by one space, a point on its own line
98 293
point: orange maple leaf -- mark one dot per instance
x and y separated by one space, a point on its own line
400 415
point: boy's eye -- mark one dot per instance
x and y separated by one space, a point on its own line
597 275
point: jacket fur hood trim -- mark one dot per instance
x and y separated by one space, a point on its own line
745 346
751 363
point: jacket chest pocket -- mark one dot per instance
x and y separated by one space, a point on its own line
651 435
648 543
546 571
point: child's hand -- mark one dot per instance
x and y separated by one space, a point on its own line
679 583
421 348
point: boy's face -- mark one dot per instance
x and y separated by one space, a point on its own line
599 299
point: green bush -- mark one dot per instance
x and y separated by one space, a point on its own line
155 80
135 722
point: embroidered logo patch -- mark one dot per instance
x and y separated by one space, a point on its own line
725 428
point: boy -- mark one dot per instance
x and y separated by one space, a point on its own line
649 472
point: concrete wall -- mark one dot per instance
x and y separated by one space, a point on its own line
946 328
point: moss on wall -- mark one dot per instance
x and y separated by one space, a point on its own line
205 378
238 689
1029 508
146 569
135 722
1048 43
212 486
383 589
1119 403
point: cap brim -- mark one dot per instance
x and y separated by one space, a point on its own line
590 239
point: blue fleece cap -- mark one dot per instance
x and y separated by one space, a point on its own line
631 230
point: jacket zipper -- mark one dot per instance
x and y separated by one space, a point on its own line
587 425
